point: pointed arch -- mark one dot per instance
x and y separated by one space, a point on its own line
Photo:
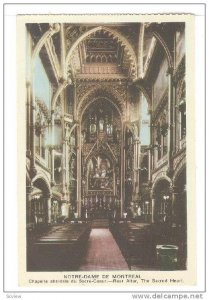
60 88
105 92
54 28
162 178
41 181
165 47
140 84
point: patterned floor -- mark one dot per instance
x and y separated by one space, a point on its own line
103 253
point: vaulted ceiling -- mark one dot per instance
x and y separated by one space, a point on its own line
96 51
107 51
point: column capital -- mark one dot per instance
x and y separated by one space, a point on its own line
54 27
173 189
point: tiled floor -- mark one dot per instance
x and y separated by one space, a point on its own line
103 253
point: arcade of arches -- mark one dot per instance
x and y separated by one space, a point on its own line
106 142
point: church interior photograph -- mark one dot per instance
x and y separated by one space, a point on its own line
105 146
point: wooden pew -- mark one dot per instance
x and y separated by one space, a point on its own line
135 242
60 249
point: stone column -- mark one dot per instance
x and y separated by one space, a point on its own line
28 115
153 208
114 181
32 138
149 164
140 51
79 171
29 190
63 47
135 166
174 196
67 170
64 169
138 151
170 120
122 193
52 149
48 205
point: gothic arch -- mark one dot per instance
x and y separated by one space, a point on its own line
179 169
158 180
116 35
162 42
54 28
146 95
42 183
59 90
102 92
141 86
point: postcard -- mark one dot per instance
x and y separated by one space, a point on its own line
106 173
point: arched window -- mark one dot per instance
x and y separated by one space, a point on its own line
99 59
93 59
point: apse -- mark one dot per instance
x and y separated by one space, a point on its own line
101 158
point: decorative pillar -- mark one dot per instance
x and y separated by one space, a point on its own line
141 51
65 165
175 122
28 115
63 47
170 120
79 171
29 190
174 196
153 207
67 169
48 205
155 157
149 164
49 209
115 183
32 138
52 149
137 166
122 193
64 169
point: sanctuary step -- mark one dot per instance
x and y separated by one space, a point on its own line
100 223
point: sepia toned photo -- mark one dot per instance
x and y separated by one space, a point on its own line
106 124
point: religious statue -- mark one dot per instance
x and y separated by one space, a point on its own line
103 171
101 125
109 129
93 128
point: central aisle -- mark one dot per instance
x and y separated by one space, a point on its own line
103 253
